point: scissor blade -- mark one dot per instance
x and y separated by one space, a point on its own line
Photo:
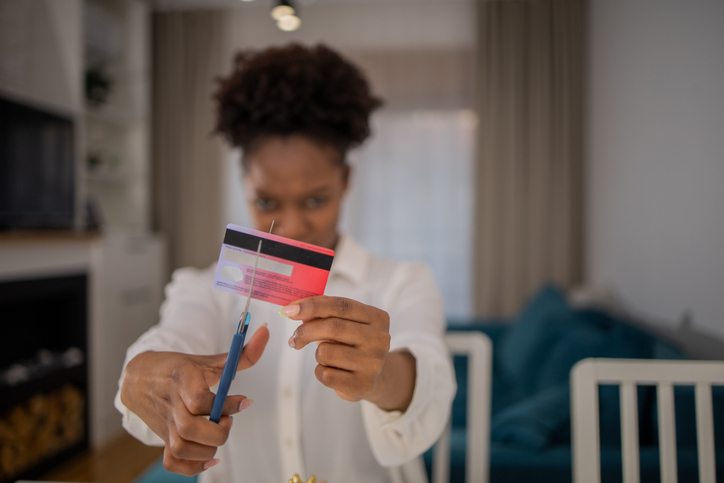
253 276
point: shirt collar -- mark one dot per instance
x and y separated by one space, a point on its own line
350 260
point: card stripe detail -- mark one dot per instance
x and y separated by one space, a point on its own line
277 249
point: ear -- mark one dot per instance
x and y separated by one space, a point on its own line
346 174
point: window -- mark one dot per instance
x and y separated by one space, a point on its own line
412 196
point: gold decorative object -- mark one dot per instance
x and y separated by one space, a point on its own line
297 479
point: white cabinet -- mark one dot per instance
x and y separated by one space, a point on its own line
127 290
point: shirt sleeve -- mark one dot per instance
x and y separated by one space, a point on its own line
186 325
417 324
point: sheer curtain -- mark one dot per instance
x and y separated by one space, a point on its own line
187 56
529 170
412 196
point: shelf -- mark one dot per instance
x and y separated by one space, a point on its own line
25 236
117 137
107 176
111 115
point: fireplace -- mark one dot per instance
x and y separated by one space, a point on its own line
43 374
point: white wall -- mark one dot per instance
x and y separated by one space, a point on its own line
373 24
40 52
655 153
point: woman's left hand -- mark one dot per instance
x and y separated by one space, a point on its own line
353 350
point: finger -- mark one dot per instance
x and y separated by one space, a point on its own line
338 330
200 430
340 307
184 467
349 359
189 450
198 399
235 404
194 389
254 348
339 356
250 355
338 379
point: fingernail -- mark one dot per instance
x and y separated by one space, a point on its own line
265 325
290 310
292 342
245 404
211 463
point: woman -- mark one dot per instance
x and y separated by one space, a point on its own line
353 385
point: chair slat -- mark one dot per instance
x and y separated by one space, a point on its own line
441 456
667 433
478 348
629 433
584 423
480 368
705 433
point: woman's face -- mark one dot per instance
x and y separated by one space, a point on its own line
298 183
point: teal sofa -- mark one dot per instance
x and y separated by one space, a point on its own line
530 418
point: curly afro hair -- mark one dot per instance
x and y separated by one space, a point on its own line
310 91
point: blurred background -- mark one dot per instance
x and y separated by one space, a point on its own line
578 142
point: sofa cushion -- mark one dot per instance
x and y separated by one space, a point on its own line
591 333
585 337
533 422
594 333
541 414
528 341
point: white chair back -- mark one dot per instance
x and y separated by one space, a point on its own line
588 374
478 348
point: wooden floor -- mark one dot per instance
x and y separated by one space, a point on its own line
120 461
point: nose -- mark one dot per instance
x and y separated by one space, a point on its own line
291 224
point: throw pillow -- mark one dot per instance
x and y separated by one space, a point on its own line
533 422
528 341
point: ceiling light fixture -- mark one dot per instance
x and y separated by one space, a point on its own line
283 8
289 23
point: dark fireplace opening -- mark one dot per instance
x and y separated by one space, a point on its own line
43 374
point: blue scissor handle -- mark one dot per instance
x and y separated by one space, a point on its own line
232 362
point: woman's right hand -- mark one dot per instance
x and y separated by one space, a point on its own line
170 392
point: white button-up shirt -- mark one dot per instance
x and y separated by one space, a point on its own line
297 425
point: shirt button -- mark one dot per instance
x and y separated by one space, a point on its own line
287 393
290 443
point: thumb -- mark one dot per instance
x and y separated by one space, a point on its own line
254 348
213 365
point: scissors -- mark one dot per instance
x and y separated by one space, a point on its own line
237 344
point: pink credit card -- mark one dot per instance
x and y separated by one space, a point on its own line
288 270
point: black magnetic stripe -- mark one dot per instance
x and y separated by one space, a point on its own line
278 249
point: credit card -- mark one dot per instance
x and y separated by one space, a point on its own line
287 270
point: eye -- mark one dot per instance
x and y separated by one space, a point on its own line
315 202
263 204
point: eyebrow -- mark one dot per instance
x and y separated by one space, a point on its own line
316 191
